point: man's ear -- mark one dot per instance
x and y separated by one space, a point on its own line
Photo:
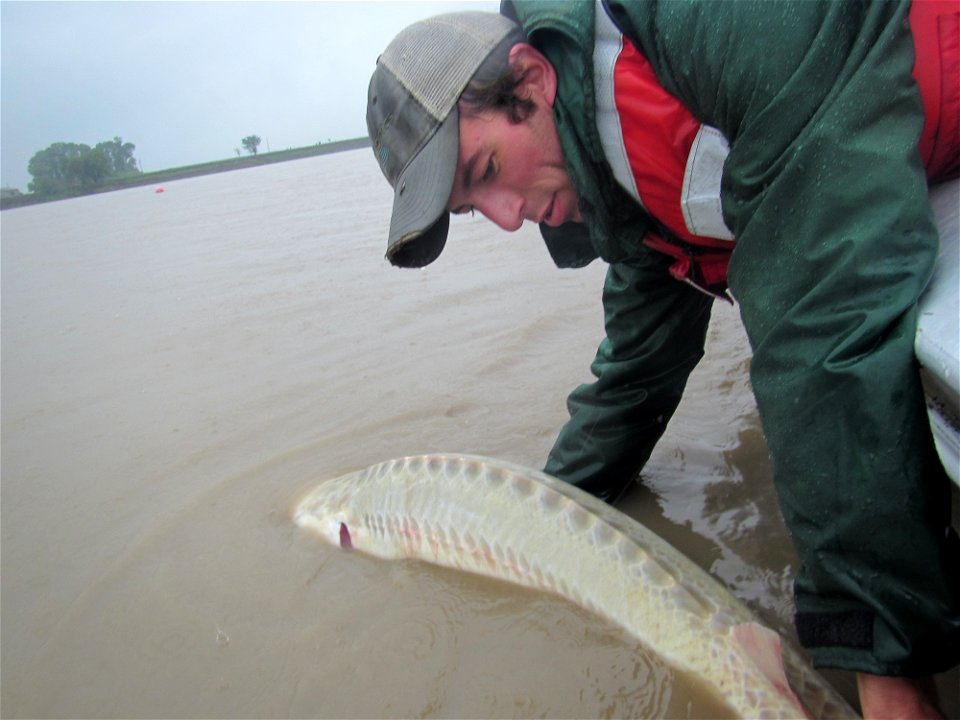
539 79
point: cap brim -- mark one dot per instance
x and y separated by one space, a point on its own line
419 224
423 249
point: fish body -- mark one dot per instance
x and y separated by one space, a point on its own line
516 524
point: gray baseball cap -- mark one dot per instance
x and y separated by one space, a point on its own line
414 125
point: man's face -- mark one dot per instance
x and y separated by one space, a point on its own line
511 172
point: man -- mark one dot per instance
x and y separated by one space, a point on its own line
775 149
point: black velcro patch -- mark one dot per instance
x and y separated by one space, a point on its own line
853 629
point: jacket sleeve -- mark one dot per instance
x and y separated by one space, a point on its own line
655 331
826 195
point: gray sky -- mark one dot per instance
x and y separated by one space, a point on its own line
185 81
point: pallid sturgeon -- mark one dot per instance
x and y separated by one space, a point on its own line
516 524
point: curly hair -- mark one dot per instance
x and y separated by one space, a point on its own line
494 86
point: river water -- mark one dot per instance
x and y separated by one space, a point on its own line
179 368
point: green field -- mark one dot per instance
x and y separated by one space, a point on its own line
162 176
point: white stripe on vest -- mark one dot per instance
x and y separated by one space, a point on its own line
700 198
607 44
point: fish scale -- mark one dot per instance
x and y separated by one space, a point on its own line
516 524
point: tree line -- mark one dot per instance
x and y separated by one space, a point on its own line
70 167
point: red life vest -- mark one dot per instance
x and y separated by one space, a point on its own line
673 165
935 25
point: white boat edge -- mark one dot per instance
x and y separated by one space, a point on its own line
937 343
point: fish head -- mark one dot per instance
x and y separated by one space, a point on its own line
328 512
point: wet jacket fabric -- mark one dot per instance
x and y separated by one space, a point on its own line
825 193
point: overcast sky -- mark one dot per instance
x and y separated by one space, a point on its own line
185 81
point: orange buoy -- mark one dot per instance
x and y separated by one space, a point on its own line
159 189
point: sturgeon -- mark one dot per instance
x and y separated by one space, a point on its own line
516 524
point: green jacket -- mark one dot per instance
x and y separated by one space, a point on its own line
825 193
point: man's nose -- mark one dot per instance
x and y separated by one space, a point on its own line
504 210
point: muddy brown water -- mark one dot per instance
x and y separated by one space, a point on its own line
178 369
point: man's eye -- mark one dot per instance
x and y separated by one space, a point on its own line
488 171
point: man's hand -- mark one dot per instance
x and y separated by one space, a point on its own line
896 698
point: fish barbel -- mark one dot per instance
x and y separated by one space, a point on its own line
516 524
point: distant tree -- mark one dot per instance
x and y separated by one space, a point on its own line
120 155
48 167
251 143
65 167
88 168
